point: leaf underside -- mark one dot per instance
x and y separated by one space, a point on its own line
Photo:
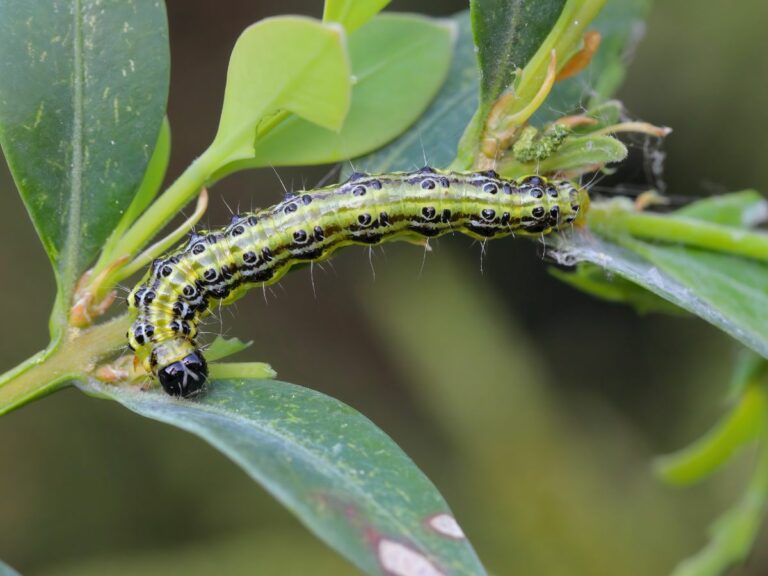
726 291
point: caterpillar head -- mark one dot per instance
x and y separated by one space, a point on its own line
573 200
177 362
185 377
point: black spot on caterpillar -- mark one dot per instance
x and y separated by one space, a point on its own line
258 248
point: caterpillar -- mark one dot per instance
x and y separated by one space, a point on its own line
258 248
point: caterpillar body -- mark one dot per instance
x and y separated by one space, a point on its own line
257 248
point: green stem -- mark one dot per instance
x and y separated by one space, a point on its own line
184 189
50 369
612 221
271 123
77 352
167 205
172 201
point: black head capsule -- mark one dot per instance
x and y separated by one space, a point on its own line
185 378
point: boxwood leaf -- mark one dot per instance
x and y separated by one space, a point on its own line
728 291
392 89
6 570
743 423
83 93
732 536
434 136
507 33
598 282
577 154
285 63
744 209
222 347
344 478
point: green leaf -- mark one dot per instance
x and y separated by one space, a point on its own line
6 570
735 287
604 114
577 154
697 461
287 63
733 535
436 135
597 282
728 291
352 13
393 88
222 347
437 132
507 34
533 24
83 93
345 479
242 370
581 152
745 209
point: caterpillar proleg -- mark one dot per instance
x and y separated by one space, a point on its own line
257 248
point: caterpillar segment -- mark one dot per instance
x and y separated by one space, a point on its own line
257 248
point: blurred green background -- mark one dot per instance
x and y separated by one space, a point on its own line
535 409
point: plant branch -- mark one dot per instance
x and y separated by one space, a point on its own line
74 358
615 218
